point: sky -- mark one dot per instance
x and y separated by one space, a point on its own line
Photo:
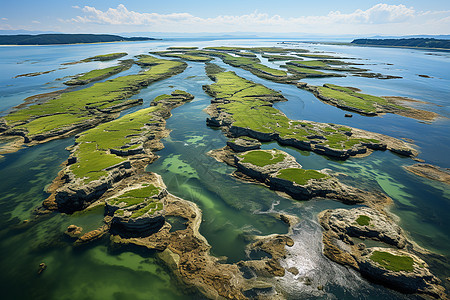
321 17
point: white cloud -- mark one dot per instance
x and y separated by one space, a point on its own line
35 22
4 19
379 16
380 13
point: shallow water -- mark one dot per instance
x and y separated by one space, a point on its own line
233 211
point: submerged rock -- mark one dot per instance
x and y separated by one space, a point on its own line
73 231
430 172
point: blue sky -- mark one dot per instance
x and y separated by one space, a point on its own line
396 17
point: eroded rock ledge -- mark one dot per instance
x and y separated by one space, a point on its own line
393 263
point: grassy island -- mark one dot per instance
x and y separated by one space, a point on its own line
352 99
100 74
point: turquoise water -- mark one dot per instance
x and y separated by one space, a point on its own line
233 211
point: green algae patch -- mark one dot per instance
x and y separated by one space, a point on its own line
94 103
262 158
300 176
363 220
393 262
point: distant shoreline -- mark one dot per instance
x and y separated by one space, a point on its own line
378 46
65 39
6 45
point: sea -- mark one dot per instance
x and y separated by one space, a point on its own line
233 211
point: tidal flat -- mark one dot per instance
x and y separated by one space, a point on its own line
224 170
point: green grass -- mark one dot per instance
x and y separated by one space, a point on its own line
348 99
77 106
262 158
137 196
393 262
103 73
189 57
363 220
311 63
305 71
252 64
300 176
345 96
272 57
321 56
182 48
49 123
161 97
106 57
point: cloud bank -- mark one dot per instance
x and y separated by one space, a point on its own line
380 18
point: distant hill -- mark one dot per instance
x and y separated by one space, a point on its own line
52 39
411 42
423 36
